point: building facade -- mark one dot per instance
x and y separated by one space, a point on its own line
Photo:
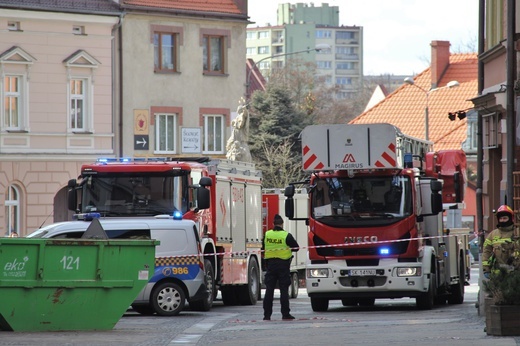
300 29
105 78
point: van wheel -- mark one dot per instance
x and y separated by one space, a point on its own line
168 299
209 278
248 294
294 285
146 310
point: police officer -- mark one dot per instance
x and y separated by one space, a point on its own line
278 245
498 246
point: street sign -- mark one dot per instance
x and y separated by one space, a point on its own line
141 142
191 140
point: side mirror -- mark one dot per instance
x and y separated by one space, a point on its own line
289 208
289 191
205 181
203 197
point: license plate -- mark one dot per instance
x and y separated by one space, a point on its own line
362 272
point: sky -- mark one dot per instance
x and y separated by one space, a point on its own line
396 33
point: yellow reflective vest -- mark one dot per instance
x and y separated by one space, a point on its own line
275 246
498 248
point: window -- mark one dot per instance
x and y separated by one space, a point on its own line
164 45
213 134
78 104
250 50
12 210
263 34
343 81
12 102
345 66
250 35
165 133
213 53
323 33
349 35
324 65
263 50
278 49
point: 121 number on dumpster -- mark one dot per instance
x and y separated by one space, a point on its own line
70 263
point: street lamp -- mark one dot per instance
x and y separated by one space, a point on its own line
410 81
318 48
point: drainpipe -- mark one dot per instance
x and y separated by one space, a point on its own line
480 140
117 114
510 94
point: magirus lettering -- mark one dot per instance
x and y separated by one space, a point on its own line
364 239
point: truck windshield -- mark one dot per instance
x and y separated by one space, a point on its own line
361 198
131 194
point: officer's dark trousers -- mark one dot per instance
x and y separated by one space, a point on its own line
277 271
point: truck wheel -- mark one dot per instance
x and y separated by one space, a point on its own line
349 302
229 296
206 304
294 285
319 304
168 299
457 290
248 294
427 299
367 301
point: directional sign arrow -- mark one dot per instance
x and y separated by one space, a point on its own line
190 147
142 141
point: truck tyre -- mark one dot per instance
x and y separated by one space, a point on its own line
229 296
457 290
426 300
294 285
319 304
349 302
248 294
206 304
168 299
367 301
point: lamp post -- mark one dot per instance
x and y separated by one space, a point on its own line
318 48
410 81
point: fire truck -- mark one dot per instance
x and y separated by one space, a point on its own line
223 197
375 204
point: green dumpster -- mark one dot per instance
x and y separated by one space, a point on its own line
80 284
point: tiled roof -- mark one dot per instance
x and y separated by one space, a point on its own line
405 107
215 6
72 6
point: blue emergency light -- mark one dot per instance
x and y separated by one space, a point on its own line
384 251
177 215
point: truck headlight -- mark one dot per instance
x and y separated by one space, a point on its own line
318 273
411 271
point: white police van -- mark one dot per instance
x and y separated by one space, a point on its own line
179 265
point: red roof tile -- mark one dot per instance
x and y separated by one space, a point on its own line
405 107
216 6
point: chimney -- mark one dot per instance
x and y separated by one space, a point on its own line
440 60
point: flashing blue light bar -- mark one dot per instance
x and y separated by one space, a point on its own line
86 216
131 159
384 251
177 215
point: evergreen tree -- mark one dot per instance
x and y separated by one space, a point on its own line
274 136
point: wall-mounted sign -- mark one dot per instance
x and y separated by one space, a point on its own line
191 140
141 121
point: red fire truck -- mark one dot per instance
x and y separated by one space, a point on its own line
374 220
223 197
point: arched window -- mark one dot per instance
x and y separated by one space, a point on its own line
12 210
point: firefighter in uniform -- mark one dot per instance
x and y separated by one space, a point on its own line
499 246
278 246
